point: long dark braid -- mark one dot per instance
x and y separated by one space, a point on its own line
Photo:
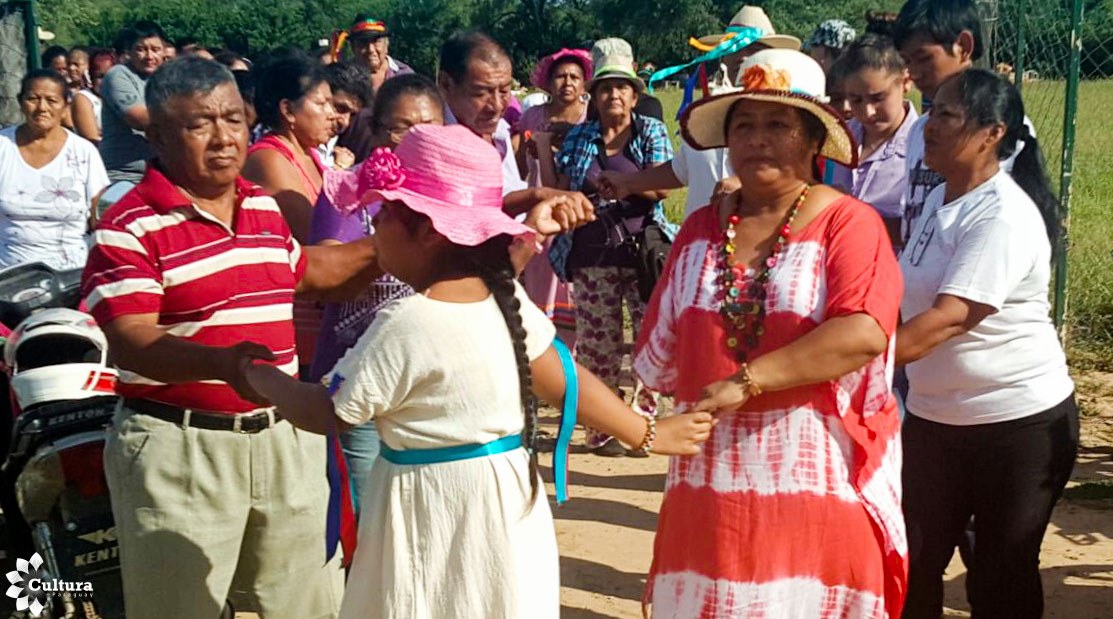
492 263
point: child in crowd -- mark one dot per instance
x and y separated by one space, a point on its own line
937 39
457 525
836 90
876 84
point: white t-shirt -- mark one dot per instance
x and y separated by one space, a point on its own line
922 179
44 212
700 170
989 246
98 105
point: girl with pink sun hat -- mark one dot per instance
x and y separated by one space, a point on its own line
456 525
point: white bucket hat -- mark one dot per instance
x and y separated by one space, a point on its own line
779 76
752 17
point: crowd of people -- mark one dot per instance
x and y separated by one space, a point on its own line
325 266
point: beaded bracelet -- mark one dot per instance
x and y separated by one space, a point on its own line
747 382
650 435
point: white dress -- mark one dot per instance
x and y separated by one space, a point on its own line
458 539
44 212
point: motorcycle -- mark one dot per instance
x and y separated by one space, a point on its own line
62 400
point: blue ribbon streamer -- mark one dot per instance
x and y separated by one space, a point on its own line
336 493
742 37
567 420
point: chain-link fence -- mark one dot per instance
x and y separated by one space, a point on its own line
15 22
1060 54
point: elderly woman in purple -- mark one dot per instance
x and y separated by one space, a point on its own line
876 84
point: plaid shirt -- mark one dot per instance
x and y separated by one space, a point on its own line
649 146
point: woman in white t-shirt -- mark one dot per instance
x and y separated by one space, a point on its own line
48 178
992 426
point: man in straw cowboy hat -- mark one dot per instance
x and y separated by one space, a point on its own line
707 173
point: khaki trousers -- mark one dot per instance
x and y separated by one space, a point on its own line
204 513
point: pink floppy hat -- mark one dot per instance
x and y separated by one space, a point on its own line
446 173
540 75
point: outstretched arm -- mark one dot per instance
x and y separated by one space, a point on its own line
306 405
601 409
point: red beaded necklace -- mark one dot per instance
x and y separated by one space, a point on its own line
744 309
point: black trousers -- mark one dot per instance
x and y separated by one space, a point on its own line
1006 475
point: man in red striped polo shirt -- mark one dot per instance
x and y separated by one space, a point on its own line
193 276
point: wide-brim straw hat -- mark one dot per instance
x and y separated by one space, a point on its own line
446 173
541 73
752 17
780 76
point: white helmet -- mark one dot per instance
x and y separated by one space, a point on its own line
58 354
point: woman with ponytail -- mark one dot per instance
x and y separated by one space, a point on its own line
456 525
992 425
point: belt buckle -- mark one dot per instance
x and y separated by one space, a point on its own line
237 424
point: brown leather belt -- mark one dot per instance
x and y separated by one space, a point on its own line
240 423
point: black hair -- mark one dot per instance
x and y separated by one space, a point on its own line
352 79
395 88
245 85
139 31
464 46
184 77
51 53
42 74
880 22
988 99
942 21
490 260
872 51
226 57
185 42
288 78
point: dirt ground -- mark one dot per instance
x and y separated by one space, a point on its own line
605 531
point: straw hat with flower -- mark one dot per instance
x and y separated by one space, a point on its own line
446 173
779 76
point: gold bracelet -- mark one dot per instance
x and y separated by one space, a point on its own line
747 382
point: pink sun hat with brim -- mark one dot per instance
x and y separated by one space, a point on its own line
444 172
540 75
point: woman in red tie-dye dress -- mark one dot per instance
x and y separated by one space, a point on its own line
777 309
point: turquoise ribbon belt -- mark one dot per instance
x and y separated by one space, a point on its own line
409 457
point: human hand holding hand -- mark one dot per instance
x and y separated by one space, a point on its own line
234 363
343 158
612 185
682 435
724 188
729 394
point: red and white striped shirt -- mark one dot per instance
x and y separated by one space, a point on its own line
157 253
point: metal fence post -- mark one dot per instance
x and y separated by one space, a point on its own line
1069 113
31 34
1021 27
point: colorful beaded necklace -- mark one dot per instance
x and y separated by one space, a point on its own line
745 312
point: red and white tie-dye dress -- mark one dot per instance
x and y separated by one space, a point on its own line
793 507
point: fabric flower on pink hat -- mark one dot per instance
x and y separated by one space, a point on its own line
446 173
